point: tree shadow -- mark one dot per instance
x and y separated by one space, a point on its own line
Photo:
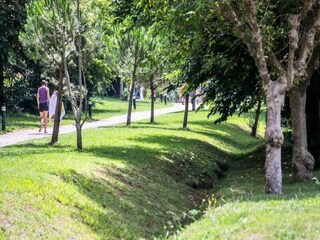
153 184
33 148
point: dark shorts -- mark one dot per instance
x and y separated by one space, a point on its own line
43 107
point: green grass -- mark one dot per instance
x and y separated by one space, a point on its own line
103 108
128 182
239 208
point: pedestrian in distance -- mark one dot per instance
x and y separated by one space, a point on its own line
43 98
53 105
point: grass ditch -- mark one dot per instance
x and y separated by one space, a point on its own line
240 209
128 182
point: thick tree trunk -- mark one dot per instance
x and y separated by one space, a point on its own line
313 118
274 139
56 124
152 105
186 111
256 119
2 97
302 160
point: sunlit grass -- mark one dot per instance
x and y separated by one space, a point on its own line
243 211
103 107
128 182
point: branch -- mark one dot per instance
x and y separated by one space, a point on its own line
308 40
297 66
257 48
293 45
313 62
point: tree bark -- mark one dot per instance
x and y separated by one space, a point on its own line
152 104
186 111
79 135
56 124
256 119
193 101
302 160
274 139
132 86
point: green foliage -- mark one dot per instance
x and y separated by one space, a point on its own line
12 18
52 24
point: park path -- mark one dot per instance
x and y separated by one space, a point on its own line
30 134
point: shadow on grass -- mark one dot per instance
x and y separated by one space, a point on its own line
133 203
101 111
135 200
33 148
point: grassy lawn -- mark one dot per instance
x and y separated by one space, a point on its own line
103 108
240 209
128 182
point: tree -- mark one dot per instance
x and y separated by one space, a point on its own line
52 35
280 69
132 49
154 66
12 19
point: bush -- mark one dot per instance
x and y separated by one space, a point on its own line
125 95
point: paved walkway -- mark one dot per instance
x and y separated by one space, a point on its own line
25 135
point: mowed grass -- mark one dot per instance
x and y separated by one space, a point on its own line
240 209
104 107
128 182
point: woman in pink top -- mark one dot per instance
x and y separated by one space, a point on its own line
43 98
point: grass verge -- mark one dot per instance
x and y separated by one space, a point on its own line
128 182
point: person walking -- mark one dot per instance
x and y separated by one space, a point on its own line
43 98
53 104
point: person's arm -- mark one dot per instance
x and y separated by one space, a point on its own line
38 98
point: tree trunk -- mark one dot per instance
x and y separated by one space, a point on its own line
131 96
256 119
2 97
152 104
186 110
193 101
274 139
56 124
313 118
302 160
79 135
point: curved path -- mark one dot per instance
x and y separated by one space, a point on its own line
29 134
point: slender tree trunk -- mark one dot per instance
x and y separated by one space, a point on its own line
186 111
56 124
302 160
152 103
79 135
131 95
2 96
256 119
193 101
79 112
274 139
